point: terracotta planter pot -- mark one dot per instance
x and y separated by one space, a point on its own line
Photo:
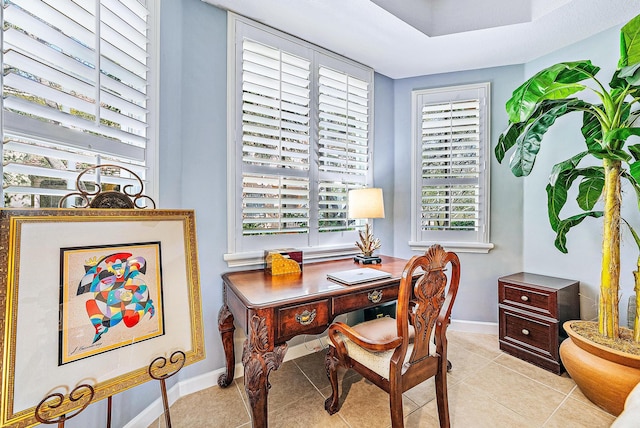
605 376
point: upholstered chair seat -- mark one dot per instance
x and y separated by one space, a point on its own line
380 329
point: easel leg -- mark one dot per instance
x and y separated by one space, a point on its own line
165 403
160 370
109 401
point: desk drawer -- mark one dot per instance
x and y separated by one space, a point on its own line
528 298
297 319
351 302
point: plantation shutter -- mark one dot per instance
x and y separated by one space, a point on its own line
300 120
450 173
451 166
275 140
343 144
75 93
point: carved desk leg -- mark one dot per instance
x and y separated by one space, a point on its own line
226 328
258 361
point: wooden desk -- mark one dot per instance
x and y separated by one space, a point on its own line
274 309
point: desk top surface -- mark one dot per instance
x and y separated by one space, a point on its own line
257 288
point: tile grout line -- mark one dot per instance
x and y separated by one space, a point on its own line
559 405
348 425
477 389
532 378
246 406
308 378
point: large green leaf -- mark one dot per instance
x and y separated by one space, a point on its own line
635 182
617 83
507 139
566 224
589 191
564 166
621 134
635 151
592 132
562 176
633 233
634 170
553 83
527 143
557 197
631 74
630 43
619 155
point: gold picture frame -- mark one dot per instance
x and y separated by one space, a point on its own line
33 247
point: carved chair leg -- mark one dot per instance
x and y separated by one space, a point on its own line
442 395
332 404
395 405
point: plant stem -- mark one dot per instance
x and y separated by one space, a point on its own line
608 324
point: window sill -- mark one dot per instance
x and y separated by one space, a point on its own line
458 247
310 255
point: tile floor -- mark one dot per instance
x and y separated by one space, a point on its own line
487 388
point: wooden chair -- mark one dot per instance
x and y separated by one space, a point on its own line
398 354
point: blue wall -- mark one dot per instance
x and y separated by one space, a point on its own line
383 152
193 176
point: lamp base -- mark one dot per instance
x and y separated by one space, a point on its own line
367 260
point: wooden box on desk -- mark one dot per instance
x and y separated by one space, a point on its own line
284 261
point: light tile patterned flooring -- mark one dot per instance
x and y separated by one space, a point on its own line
487 388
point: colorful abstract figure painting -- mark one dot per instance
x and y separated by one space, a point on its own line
111 296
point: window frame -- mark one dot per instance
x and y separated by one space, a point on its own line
51 134
473 242
332 244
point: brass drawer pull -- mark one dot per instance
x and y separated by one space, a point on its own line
306 317
524 298
525 332
375 296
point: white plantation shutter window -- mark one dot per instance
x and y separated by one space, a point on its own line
450 174
343 145
275 140
76 91
451 166
300 138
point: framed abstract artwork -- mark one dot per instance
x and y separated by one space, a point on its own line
92 296
110 296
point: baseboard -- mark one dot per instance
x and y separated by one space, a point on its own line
474 326
207 380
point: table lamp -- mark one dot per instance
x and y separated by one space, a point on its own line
366 204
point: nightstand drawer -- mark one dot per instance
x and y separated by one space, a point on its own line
350 302
295 319
528 298
538 335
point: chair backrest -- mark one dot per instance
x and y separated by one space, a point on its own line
424 304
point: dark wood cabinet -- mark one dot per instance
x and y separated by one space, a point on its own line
532 309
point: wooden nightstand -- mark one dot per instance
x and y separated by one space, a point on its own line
532 309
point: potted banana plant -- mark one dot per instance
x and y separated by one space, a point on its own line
609 128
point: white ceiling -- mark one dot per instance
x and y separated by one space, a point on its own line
405 38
